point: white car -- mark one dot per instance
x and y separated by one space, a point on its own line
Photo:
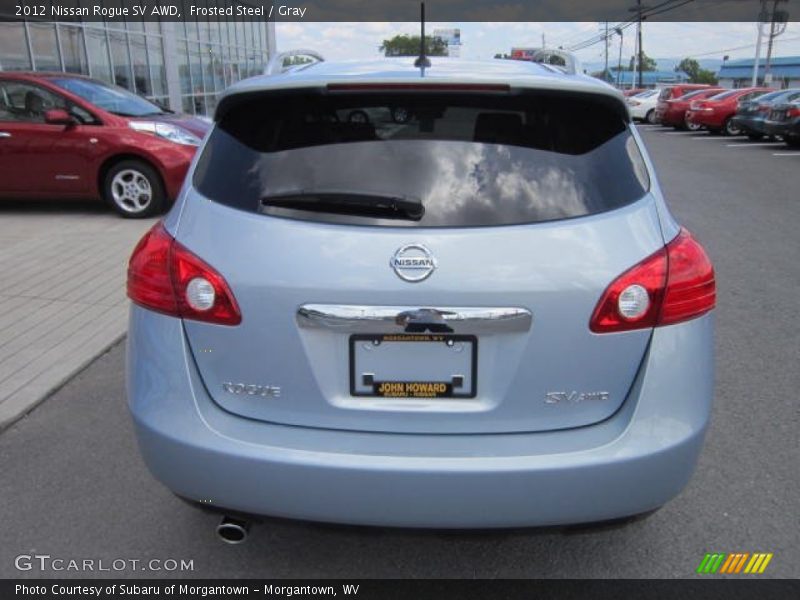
643 106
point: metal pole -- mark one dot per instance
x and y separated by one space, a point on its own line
641 51
619 65
635 61
761 17
605 44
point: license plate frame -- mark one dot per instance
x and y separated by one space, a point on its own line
414 389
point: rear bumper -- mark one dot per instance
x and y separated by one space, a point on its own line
750 124
790 128
630 463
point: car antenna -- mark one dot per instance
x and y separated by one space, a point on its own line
422 60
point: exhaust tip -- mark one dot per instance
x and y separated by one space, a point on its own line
233 531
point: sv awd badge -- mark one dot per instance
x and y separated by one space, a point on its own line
413 263
252 389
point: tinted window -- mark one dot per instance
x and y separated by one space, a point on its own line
463 160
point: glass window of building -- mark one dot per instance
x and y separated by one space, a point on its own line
120 59
97 47
141 69
72 49
44 46
13 47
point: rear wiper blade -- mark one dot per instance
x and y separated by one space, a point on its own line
344 203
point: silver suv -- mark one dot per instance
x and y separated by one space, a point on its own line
477 314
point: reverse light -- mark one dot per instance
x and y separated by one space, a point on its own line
167 131
674 284
166 277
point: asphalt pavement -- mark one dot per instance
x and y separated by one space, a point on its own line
73 485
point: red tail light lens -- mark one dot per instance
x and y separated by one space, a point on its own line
166 277
793 112
675 284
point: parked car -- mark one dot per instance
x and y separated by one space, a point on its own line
483 317
675 91
752 114
634 92
643 106
68 136
716 113
675 112
784 121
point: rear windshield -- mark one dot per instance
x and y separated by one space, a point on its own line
422 160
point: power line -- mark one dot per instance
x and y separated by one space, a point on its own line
658 9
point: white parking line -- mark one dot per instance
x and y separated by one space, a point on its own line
680 132
709 137
753 145
786 154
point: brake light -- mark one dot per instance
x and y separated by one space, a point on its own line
672 285
166 277
793 112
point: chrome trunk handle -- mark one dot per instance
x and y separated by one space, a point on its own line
393 319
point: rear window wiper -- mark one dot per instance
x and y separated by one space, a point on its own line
359 204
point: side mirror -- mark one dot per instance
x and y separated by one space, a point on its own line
58 116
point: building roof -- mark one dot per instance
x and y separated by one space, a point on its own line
782 66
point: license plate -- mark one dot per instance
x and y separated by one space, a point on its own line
418 365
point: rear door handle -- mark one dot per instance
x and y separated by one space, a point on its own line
4 134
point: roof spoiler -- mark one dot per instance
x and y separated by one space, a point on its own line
562 60
275 64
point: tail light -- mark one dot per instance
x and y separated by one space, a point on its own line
763 108
675 284
166 277
793 112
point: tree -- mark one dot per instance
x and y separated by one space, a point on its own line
408 45
696 75
648 64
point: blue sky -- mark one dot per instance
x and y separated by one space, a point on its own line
339 41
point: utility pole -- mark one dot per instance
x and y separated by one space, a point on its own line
762 16
543 44
777 26
605 45
641 51
619 64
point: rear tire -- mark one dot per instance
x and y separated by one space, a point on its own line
692 126
134 189
792 142
730 128
754 137
650 117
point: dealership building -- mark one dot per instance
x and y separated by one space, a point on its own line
182 65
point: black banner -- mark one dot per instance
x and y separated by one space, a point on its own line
617 11
445 589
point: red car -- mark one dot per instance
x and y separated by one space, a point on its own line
675 91
716 113
68 136
675 113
